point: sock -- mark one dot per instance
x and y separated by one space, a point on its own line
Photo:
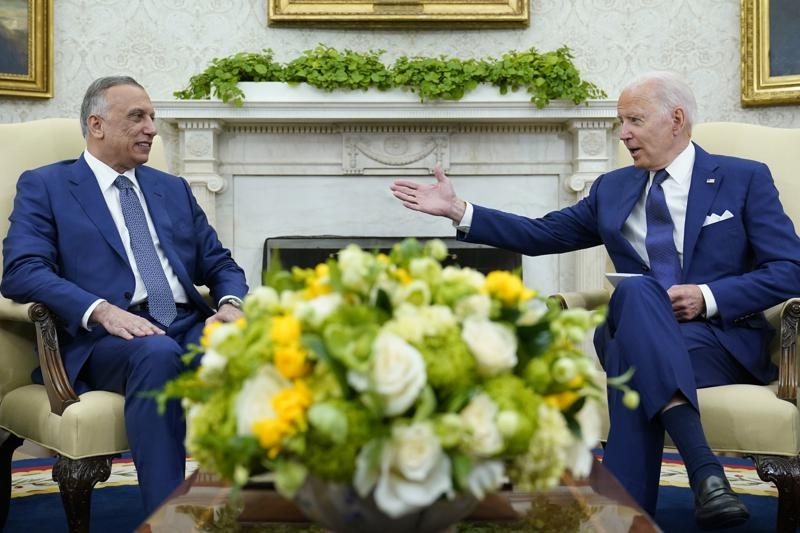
682 422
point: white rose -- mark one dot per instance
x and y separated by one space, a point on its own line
355 267
477 305
493 345
579 456
467 276
254 401
211 363
534 312
414 470
482 436
222 332
315 311
262 298
415 293
397 372
485 478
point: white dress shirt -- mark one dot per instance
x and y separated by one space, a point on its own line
676 192
105 176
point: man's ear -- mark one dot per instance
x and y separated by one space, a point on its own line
95 126
678 120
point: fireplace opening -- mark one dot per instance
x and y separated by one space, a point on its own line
307 252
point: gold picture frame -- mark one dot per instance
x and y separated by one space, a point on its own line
762 83
394 13
26 48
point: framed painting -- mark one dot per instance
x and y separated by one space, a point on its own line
399 13
26 48
770 52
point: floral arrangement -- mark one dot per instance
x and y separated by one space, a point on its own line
410 380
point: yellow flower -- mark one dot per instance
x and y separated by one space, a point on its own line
383 259
403 276
208 330
561 400
291 361
291 404
507 287
270 433
285 329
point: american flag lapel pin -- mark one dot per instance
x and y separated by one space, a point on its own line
711 180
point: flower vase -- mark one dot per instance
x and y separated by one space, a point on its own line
338 507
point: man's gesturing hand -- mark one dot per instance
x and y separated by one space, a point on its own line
434 198
121 323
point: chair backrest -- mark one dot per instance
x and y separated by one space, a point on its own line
777 147
23 146
27 145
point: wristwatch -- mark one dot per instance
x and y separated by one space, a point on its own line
231 300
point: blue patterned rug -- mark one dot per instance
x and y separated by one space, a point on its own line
116 507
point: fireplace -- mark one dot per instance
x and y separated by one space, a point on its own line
308 163
307 252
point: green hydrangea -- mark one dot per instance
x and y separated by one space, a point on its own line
337 462
450 366
510 393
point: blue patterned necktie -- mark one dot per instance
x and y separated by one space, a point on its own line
160 301
659 242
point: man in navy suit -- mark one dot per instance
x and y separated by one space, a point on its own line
735 252
68 247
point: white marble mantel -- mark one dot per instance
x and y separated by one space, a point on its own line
298 161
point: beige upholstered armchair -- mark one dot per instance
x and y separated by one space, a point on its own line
759 422
85 431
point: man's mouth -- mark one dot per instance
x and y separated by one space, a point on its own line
144 145
634 151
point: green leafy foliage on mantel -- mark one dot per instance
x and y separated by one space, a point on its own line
545 76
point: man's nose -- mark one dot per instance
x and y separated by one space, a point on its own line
150 127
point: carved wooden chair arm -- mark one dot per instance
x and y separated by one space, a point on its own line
59 390
787 364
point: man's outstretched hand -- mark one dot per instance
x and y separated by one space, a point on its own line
432 198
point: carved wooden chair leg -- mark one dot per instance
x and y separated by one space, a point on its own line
11 443
785 473
76 478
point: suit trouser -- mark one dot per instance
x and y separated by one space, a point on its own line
143 364
669 357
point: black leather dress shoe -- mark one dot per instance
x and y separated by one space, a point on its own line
717 506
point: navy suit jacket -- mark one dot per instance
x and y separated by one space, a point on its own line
63 249
750 261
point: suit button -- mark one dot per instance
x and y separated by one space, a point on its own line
127 295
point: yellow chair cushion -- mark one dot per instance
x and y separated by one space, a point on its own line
94 426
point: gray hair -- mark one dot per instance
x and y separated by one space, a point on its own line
94 101
670 91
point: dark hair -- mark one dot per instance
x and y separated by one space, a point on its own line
94 101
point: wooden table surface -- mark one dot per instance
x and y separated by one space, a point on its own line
599 504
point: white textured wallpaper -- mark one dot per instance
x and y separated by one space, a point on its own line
163 43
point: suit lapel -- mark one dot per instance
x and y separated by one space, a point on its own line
629 195
704 187
85 189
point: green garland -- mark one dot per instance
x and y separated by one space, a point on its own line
545 76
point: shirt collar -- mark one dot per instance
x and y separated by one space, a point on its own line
105 174
681 167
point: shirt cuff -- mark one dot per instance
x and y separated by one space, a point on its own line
88 313
711 303
466 221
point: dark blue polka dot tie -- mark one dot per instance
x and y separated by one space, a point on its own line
660 244
160 301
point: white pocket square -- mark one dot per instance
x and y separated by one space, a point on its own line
714 218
